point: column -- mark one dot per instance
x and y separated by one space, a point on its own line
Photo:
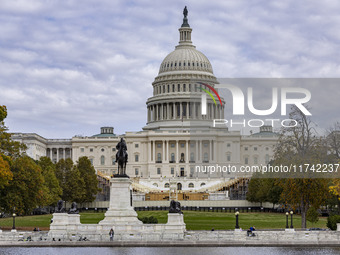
163 148
57 154
168 111
161 109
201 152
187 106
196 156
167 151
64 152
153 151
210 150
51 154
149 151
215 151
194 110
180 110
186 151
177 157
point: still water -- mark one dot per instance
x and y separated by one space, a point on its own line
168 250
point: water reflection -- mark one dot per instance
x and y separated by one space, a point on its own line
168 250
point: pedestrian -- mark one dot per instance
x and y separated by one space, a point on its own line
112 233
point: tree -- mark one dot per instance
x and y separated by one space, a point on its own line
70 181
312 215
5 172
54 190
299 145
7 146
26 190
88 173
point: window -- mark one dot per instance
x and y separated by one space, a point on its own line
192 156
205 157
172 145
202 184
102 149
136 157
82 149
172 171
159 157
155 184
113 161
205 144
136 145
102 160
246 160
172 156
267 159
255 161
191 185
182 145
228 145
245 148
168 88
173 87
136 171
158 171
228 157
184 87
159 145
91 149
255 148
113 149
178 87
91 160
166 185
267 149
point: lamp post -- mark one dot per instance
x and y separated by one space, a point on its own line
13 228
291 219
237 226
287 213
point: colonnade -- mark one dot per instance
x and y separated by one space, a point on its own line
183 110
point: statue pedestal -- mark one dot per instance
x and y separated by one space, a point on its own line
64 223
175 223
120 211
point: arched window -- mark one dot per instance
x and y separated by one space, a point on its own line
155 184
182 158
191 185
166 185
102 160
179 186
202 184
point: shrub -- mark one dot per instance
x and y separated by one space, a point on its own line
149 220
332 221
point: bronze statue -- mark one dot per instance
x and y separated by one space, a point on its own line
175 207
73 209
121 158
185 12
60 207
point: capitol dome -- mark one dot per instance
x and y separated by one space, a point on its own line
185 58
184 75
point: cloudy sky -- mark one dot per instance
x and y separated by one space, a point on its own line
69 67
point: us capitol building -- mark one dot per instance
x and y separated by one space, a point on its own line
177 140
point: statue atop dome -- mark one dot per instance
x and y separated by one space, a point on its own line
185 12
185 19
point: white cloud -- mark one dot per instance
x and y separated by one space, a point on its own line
68 68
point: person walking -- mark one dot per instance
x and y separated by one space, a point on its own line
112 233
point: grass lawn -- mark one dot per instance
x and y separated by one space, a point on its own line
194 220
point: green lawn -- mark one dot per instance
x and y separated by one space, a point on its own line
194 220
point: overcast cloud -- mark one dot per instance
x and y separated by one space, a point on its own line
69 67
